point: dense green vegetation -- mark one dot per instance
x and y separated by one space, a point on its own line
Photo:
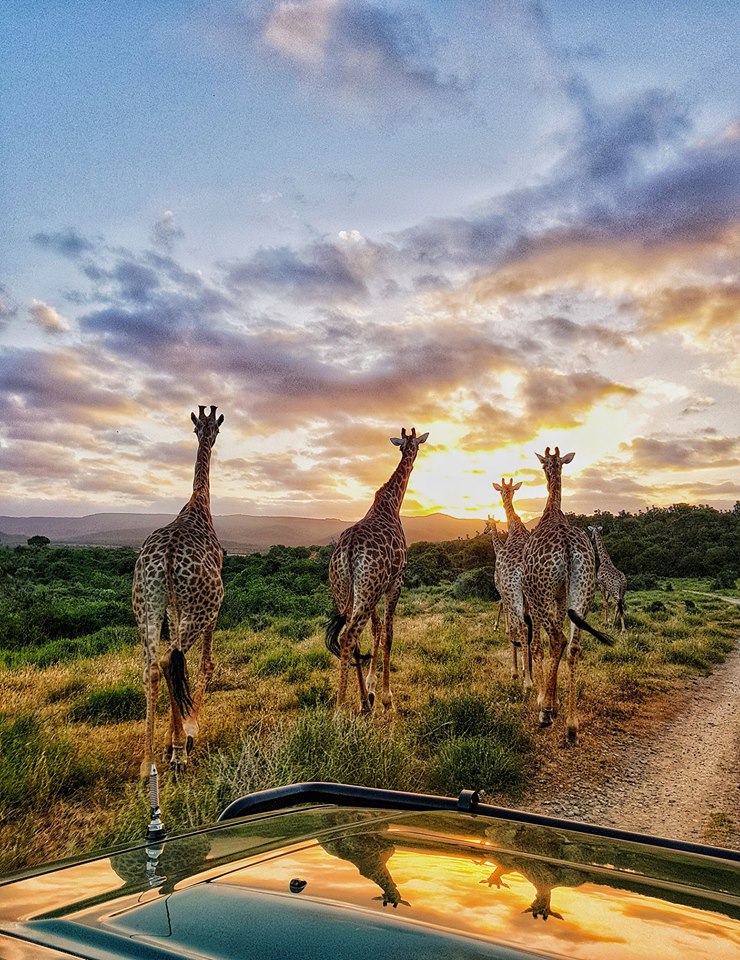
58 603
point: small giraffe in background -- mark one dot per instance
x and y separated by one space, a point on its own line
497 542
178 575
558 571
366 565
611 581
509 579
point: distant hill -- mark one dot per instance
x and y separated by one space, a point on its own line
238 532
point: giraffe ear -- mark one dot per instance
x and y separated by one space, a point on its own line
422 438
591 528
396 442
517 485
496 486
220 420
540 458
567 458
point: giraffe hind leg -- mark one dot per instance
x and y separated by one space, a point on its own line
371 673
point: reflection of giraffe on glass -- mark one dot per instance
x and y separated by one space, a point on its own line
368 564
178 576
370 853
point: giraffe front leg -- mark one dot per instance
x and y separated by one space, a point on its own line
526 648
151 686
191 724
178 737
372 670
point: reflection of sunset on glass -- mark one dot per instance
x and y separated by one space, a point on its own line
600 922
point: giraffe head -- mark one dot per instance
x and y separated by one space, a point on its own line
594 530
490 527
507 490
552 464
409 442
206 425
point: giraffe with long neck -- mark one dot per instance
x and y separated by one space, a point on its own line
558 578
367 565
178 576
509 579
611 581
497 542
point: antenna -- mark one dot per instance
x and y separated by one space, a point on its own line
155 831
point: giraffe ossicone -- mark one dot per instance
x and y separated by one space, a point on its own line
178 577
367 566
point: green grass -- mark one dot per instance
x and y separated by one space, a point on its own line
269 719
110 705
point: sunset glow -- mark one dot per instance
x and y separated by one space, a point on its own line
512 225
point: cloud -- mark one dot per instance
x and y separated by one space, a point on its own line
683 453
166 232
47 318
67 243
369 55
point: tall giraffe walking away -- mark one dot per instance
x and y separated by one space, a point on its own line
558 568
368 564
178 575
497 542
509 579
611 581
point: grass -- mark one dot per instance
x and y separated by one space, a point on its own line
72 735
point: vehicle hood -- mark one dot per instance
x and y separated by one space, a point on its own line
313 881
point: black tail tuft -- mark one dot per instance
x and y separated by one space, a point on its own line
333 628
620 607
580 622
179 681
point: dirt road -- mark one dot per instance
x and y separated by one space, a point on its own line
673 770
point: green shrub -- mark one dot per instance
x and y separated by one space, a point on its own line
110 705
282 661
477 584
318 694
37 766
725 579
476 763
471 715
642 581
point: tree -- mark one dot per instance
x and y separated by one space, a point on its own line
38 541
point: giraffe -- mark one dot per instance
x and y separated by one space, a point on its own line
370 853
497 542
509 580
558 568
178 576
612 582
367 564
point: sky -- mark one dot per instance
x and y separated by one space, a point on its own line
512 224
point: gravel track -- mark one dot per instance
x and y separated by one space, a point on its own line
672 770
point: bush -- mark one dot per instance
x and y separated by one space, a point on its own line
471 715
37 767
476 584
475 763
725 579
642 581
111 705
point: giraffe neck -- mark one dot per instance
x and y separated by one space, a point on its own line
201 496
554 493
390 496
513 520
601 548
495 542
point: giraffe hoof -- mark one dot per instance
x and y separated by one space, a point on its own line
571 736
189 743
545 718
371 700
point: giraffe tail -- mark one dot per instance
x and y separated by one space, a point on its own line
179 680
580 622
620 607
333 628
